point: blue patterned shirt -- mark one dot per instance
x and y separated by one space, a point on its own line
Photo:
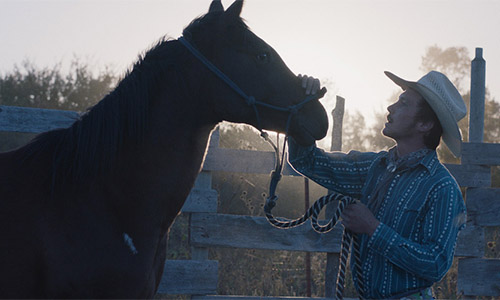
420 215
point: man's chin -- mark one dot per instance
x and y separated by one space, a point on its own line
386 132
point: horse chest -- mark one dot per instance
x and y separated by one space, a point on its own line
87 253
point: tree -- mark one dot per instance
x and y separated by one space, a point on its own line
49 88
355 135
453 61
456 64
375 138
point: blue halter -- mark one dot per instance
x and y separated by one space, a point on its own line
250 100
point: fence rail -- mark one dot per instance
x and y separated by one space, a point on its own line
220 230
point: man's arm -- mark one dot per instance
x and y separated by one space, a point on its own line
341 172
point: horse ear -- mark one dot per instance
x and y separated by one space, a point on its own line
216 5
235 9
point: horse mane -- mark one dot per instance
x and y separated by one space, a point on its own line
89 147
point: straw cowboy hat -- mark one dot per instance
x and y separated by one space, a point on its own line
445 101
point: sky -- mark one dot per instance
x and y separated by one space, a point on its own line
346 44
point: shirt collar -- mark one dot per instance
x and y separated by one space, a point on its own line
428 159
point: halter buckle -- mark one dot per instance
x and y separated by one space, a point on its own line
294 109
270 203
251 100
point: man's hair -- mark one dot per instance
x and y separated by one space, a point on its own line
426 114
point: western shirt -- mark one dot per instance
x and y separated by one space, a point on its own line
420 216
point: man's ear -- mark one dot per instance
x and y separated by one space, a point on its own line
425 127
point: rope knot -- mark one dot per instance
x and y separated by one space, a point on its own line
251 100
294 109
270 203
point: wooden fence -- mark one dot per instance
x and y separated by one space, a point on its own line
477 276
198 277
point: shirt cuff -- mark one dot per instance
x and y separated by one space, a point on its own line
383 240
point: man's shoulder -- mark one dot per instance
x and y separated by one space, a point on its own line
440 175
362 155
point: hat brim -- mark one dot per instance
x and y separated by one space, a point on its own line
451 133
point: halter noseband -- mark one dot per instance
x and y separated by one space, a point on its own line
250 100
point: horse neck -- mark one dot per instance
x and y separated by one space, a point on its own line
158 174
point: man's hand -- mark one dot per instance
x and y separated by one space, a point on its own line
309 83
359 219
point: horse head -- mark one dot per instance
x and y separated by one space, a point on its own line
270 96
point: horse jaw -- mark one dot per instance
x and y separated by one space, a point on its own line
309 125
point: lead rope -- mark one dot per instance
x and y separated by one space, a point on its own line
292 110
349 239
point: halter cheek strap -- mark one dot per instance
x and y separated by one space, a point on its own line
250 100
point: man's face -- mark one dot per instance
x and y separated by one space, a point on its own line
401 119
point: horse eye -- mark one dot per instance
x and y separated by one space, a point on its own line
263 57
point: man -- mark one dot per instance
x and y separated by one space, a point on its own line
411 208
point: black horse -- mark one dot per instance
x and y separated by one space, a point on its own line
85 211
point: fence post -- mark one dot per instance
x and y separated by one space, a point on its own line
204 182
338 119
477 91
332 259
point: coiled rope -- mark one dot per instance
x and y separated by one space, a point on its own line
349 239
